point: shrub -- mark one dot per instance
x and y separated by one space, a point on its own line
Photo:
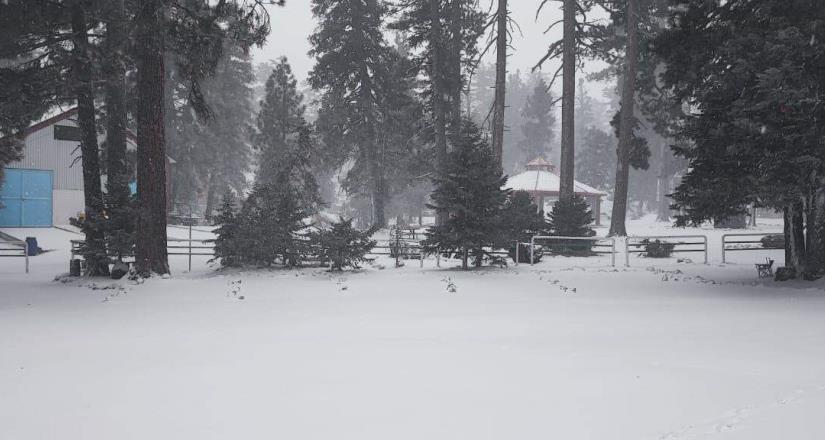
774 241
657 249
571 217
343 246
519 221
268 228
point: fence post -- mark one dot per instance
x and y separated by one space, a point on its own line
705 239
26 253
723 248
613 251
532 245
517 246
438 257
627 251
190 239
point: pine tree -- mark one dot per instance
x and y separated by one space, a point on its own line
343 246
351 70
539 119
469 189
520 220
596 161
227 249
755 127
446 33
281 114
570 217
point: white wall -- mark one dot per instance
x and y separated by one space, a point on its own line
65 204
44 152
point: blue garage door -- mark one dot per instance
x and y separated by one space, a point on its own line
26 198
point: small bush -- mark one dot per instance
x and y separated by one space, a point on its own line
774 241
658 249
343 246
571 218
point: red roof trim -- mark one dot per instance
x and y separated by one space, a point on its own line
45 123
54 120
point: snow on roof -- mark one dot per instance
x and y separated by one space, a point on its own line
546 181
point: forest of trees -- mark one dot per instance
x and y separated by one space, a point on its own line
697 106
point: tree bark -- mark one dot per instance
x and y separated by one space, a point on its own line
626 123
813 233
454 61
211 196
150 251
117 171
663 209
437 78
568 122
794 237
501 83
95 254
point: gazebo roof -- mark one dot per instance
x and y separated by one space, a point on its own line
541 178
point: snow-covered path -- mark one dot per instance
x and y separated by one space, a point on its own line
553 351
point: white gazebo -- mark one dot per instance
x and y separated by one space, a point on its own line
542 183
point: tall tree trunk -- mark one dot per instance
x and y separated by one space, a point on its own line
568 122
794 236
456 21
437 76
626 123
501 83
663 208
813 233
150 251
114 69
211 196
95 253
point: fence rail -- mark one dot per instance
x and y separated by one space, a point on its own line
638 242
15 248
187 247
595 240
761 247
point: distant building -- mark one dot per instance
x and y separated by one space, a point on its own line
542 182
45 187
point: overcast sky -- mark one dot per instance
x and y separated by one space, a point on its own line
293 23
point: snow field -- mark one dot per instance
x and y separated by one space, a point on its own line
569 348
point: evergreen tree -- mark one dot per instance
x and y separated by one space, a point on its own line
570 217
596 161
757 101
539 119
469 189
343 246
227 249
352 71
520 220
213 153
445 33
281 112
293 165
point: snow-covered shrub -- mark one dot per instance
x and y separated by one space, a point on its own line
657 248
342 245
773 241
571 217
520 220
268 228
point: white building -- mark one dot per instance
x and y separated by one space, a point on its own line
45 187
542 182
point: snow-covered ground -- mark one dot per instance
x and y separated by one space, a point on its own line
568 349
